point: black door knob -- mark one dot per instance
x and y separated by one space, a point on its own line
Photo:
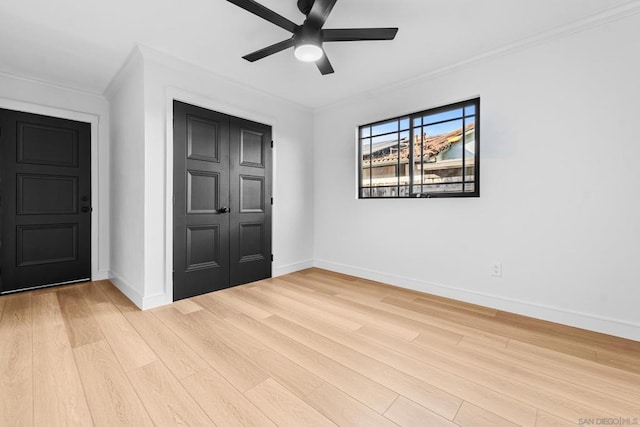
85 209
224 210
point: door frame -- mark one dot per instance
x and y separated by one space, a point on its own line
93 120
175 94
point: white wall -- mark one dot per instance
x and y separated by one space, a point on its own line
126 105
22 94
559 186
142 172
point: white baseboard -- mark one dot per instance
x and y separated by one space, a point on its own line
100 275
142 302
616 327
291 268
126 289
157 300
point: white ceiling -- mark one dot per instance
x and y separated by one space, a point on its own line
82 43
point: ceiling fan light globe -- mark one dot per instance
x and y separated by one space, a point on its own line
308 52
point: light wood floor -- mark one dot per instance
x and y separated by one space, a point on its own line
310 348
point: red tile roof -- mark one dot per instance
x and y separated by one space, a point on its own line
432 146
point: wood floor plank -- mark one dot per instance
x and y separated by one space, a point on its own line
270 300
406 413
292 301
92 294
59 397
587 338
433 324
377 291
181 360
467 367
613 374
449 379
358 386
16 363
167 402
294 377
283 407
82 328
232 365
500 326
111 397
225 405
213 303
434 398
382 315
548 420
433 375
473 416
130 349
617 360
583 376
229 298
458 305
116 297
343 409
2 301
358 313
335 285
585 399
187 306
496 327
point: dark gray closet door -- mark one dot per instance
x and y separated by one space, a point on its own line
222 205
250 201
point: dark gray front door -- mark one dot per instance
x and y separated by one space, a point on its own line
222 209
45 201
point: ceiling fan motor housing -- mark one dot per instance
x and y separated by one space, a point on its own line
305 6
305 35
307 42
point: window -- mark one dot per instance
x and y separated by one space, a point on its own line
433 153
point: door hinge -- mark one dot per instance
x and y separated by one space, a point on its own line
272 200
271 257
271 144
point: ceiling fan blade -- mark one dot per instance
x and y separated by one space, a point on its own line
324 65
269 50
265 13
320 12
358 34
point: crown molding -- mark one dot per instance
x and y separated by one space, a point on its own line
180 64
135 56
601 18
57 86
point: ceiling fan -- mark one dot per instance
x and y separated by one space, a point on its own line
308 38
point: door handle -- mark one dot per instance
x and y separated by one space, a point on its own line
85 209
224 210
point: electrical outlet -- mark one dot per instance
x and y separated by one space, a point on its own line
497 269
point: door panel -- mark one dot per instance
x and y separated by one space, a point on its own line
201 187
45 244
252 194
47 145
250 240
222 229
46 194
45 200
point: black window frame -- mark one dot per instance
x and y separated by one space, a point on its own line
474 102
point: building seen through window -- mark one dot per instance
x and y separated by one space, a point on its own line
434 153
